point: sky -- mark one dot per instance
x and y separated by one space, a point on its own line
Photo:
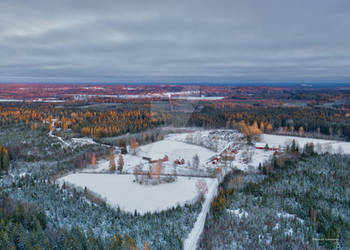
192 41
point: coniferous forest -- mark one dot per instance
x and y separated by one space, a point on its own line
299 204
283 204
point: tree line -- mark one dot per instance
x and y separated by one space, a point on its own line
311 121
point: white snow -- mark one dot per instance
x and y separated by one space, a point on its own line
238 212
75 141
226 139
120 190
192 239
321 146
157 150
83 141
289 232
59 138
175 150
212 98
289 216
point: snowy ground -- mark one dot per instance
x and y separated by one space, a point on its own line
219 140
238 212
74 141
175 150
157 150
215 139
321 146
83 141
192 239
120 190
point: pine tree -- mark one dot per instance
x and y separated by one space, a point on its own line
122 144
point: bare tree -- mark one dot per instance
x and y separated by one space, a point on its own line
202 188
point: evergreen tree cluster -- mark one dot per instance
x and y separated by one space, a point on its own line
301 204
69 211
22 226
4 159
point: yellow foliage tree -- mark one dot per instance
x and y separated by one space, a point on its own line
93 160
112 165
145 246
134 145
51 126
269 127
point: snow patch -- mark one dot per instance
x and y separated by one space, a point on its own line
238 212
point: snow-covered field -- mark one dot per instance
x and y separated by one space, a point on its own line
175 150
321 146
120 190
216 140
207 144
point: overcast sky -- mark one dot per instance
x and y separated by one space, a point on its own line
175 41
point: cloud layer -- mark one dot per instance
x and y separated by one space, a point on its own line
175 41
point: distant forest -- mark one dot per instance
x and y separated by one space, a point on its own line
107 121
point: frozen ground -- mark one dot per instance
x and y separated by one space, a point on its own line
221 139
83 141
74 141
321 146
175 150
217 140
157 150
120 190
192 239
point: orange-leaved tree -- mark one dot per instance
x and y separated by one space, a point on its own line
112 165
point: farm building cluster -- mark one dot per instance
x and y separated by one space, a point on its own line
180 161
262 146
225 155
150 160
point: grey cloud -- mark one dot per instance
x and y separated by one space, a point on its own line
175 41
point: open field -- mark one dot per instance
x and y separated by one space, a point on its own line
174 150
120 191
322 146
